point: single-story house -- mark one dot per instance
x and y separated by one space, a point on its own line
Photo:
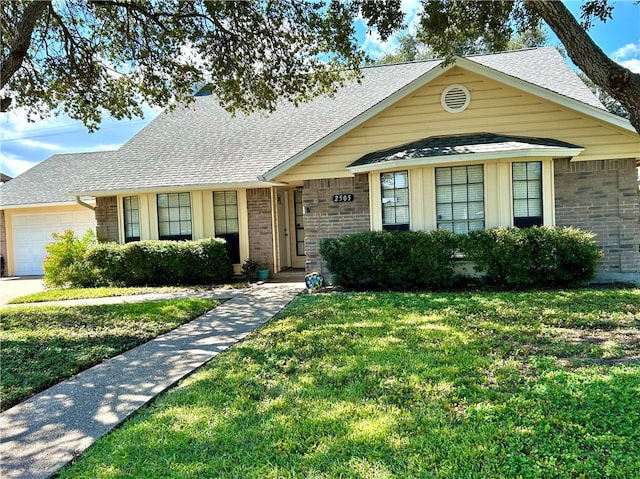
508 139
35 204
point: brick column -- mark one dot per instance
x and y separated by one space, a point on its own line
602 197
325 219
107 219
260 226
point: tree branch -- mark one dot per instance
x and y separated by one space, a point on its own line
21 42
618 81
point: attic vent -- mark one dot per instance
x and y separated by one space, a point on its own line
455 98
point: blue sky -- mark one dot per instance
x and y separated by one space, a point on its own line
24 144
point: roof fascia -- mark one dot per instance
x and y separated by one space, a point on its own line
357 121
468 157
602 115
177 189
41 205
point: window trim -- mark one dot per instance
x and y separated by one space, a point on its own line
395 226
174 237
527 221
126 218
234 251
453 221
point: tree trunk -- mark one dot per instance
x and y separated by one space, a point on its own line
619 82
21 42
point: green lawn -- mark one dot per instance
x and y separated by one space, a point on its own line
460 385
105 292
42 345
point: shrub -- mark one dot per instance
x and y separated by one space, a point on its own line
65 264
156 263
399 260
533 257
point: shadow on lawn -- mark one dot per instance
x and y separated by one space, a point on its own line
404 386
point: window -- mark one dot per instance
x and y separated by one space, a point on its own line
460 198
527 194
225 216
395 200
299 217
131 218
174 216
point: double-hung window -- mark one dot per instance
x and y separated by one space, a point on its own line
395 200
131 212
527 194
174 216
225 215
460 198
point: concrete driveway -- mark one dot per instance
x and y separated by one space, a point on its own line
19 286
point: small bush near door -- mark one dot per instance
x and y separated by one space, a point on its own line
511 258
159 263
398 260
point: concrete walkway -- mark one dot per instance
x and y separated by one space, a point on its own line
44 433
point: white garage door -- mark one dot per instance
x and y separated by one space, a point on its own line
32 232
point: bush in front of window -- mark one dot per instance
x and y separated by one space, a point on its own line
160 263
533 257
392 260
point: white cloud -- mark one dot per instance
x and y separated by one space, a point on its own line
633 65
630 51
375 46
41 145
13 166
628 56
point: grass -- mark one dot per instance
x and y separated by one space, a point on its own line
42 345
104 292
465 385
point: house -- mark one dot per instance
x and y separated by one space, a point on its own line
35 204
509 139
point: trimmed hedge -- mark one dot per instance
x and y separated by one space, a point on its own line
506 257
399 260
159 263
533 257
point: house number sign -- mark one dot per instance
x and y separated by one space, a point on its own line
345 198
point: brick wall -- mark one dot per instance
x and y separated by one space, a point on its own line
325 219
3 242
260 226
107 219
602 197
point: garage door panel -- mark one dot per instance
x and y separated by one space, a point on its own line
31 233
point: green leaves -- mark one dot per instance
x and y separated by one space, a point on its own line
91 58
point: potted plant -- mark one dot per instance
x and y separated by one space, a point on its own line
262 273
249 268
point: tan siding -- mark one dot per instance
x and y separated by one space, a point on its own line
494 108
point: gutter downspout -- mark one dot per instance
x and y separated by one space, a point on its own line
86 205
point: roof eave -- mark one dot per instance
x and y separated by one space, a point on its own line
71 202
469 157
175 188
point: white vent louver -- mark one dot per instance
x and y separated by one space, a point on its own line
455 98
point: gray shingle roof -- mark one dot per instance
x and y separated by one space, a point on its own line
544 67
50 180
202 146
438 146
